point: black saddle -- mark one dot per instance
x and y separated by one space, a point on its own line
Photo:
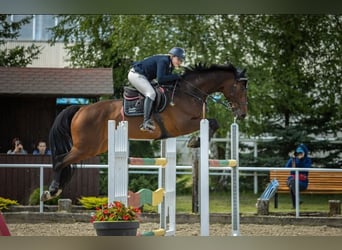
133 101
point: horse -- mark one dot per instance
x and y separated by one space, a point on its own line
80 132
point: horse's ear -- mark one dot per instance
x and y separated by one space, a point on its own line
242 76
243 73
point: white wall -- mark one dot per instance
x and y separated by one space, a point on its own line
51 56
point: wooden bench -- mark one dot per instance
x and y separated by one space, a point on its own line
319 183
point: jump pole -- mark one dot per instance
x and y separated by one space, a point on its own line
118 152
168 181
235 207
204 177
118 158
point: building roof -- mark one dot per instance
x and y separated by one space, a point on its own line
90 82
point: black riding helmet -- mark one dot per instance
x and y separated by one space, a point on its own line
177 51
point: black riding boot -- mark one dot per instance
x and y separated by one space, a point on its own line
148 123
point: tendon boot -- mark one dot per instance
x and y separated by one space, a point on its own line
148 123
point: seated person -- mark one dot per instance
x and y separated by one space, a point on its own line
41 149
300 159
17 147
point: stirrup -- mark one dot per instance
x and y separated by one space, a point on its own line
147 126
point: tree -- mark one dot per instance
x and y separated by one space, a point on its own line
293 64
19 56
298 83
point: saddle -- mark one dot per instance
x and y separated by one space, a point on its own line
133 101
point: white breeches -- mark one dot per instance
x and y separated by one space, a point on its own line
141 83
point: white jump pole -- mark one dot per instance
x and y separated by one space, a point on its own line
235 208
204 177
118 153
111 160
117 162
169 183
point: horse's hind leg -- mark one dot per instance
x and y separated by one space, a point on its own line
195 141
54 188
62 174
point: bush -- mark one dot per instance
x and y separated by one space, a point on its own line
139 181
34 198
184 184
4 203
92 202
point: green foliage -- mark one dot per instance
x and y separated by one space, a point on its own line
139 181
4 203
292 63
184 184
91 202
20 55
34 198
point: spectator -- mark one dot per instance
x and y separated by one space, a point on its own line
17 147
300 159
41 149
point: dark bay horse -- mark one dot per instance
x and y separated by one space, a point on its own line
79 132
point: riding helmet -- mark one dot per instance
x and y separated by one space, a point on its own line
179 52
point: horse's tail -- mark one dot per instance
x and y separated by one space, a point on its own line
61 142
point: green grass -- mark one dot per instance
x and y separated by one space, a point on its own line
221 203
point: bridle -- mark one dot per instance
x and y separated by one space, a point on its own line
202 96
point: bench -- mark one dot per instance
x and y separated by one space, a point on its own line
319 183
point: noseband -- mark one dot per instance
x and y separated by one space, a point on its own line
201 95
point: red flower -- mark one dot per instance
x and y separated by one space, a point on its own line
115 211
118 204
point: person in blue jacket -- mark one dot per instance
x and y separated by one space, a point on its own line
300 159
41 149
159 68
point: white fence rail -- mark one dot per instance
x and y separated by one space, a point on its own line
151 169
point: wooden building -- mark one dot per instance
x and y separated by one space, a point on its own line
29 104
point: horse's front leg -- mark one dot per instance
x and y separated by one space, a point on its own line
195 142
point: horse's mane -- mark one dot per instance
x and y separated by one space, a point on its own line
204 68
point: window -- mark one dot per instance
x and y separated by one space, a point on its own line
72 101
37 29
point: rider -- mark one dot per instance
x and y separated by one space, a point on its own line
159 68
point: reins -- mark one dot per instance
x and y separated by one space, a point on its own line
202 96
205 95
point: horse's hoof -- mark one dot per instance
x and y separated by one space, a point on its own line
47 195
194 142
